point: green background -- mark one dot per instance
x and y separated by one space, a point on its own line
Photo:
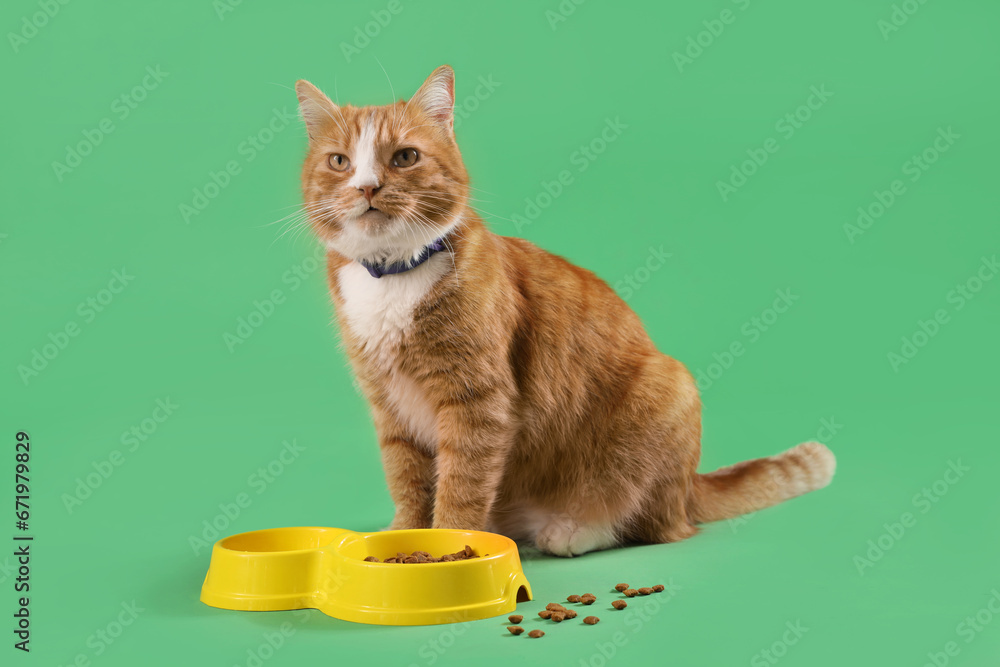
820 369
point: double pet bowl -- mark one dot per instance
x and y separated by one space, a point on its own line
325 569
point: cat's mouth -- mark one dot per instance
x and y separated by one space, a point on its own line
373 218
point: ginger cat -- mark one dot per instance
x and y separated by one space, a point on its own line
511 390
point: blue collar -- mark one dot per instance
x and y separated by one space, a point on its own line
383 269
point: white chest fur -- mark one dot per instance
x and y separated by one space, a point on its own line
379 311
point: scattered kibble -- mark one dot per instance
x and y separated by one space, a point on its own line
553 610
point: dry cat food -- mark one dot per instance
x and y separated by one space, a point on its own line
558 613
424 557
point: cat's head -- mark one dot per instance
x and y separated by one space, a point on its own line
381 182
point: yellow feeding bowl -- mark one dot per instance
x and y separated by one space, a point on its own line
325 569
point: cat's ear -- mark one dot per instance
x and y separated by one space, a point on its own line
437 97
315 107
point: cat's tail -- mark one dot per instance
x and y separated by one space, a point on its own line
753 485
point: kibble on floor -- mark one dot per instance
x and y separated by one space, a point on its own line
515 629
515 618
535 634
619 604
591 620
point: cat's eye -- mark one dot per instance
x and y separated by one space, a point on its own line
406 157
338 162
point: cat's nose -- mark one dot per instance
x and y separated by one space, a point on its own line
369 191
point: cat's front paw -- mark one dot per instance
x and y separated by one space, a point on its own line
563 536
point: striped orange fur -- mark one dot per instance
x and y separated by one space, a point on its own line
510 389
